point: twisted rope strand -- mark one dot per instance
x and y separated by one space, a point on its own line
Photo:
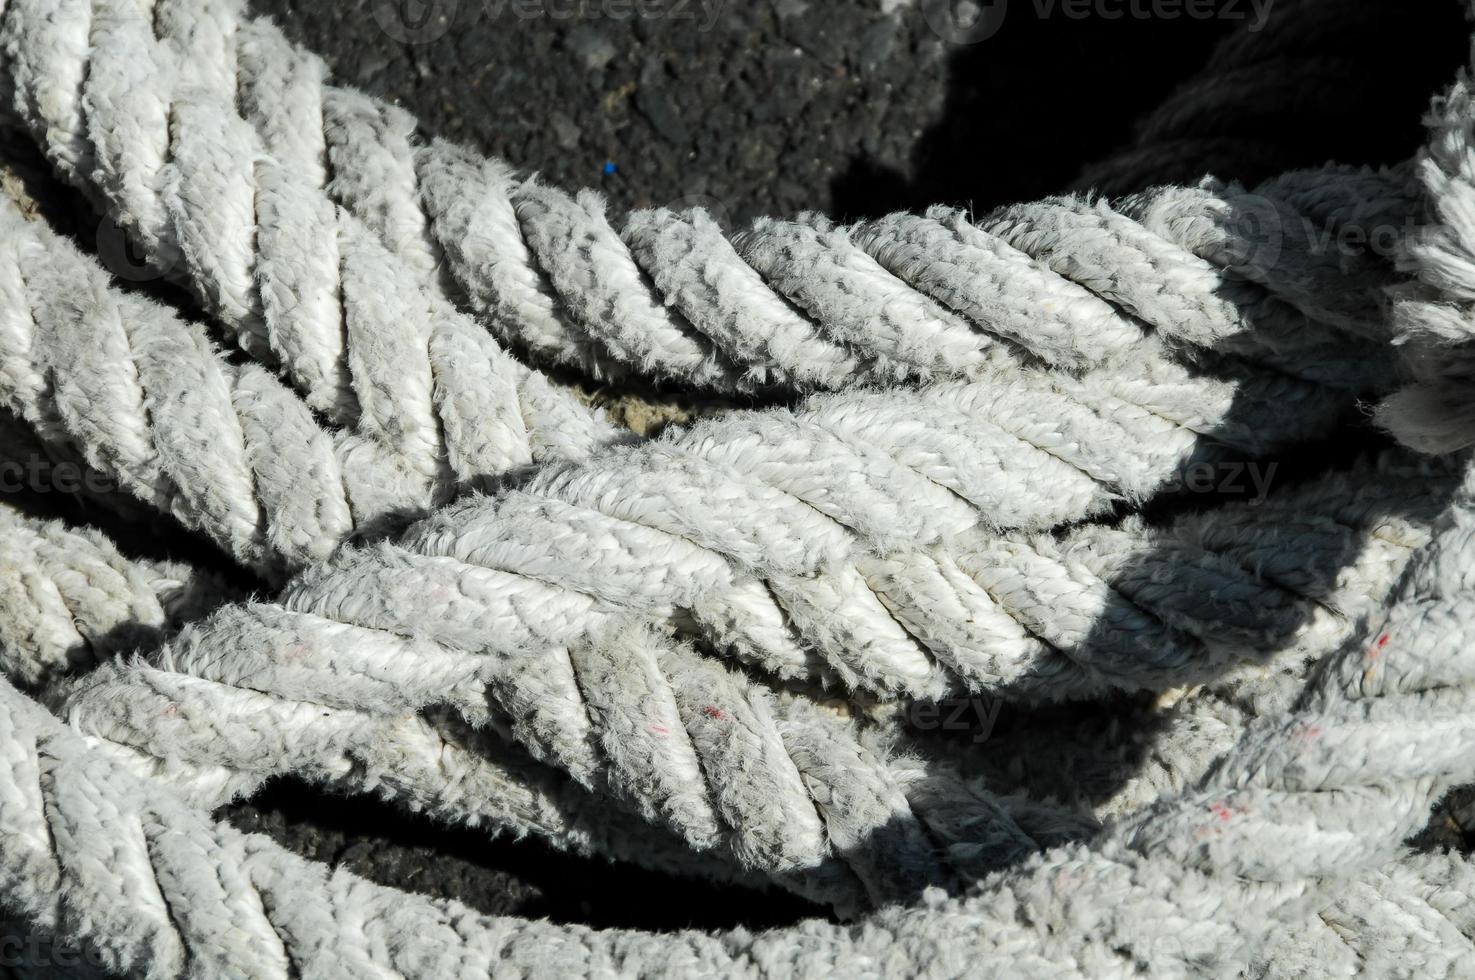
70 598
303 505
285 508
326 186
165 893
223 447
272 515
529 614
1354 768
329 675
253 909
1116 764
684 743
1434 319
303 284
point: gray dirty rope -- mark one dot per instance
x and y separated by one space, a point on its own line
349 324
72 600
226 449
769 781
535 615
171 893
172 431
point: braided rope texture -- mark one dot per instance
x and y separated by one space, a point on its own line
537 660
110 859
228 702
284 203
223 447
71 599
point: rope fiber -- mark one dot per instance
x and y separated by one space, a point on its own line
714 652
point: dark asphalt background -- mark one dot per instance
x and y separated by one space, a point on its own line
777 106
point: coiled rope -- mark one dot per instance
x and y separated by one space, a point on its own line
228 450
224 447
285 203
1091 911
595 560
328 675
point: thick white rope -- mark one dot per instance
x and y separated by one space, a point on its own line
156 889
1264 780
301 283
1414 917
1436 319
321 685
171 430
224 447
1368 522
775 784
208 935
1384 730
70 599
1105 911
220 145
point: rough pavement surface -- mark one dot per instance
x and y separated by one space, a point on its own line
852 107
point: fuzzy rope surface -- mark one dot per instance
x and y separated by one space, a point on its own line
227 450
326 678
224 447
173 431
820 544
190 103
364 343
71 599
1101 906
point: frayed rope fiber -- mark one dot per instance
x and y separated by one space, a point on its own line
704 653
